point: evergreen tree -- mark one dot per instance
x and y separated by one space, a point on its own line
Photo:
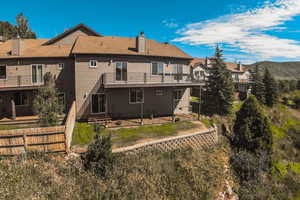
46 103
271 90
99 157
218 92
7 30
258 89
252 129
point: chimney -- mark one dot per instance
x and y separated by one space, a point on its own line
239 66
141 43
17 46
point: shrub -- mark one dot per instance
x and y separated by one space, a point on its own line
297 102
99 157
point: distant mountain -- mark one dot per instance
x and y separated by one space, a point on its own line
281 70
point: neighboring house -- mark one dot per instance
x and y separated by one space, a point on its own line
240 75
114 77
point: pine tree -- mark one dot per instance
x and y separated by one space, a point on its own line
271 90
46 103
218 94
252 129
258 88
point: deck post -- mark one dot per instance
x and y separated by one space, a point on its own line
199 101
142 109
13 110
173 110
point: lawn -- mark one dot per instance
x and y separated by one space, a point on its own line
84 133
10 127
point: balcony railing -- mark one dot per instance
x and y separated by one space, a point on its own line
18 81
146 78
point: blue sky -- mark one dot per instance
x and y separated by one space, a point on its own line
248 30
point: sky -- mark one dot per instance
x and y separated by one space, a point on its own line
247 30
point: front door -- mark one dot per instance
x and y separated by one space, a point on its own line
121 71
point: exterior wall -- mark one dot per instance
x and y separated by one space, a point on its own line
118 105
88 80
70 39
64 77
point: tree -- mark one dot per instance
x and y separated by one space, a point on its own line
46 103
218 92
22 28
99 157
271 90
292 85
298 84
252 130
258 88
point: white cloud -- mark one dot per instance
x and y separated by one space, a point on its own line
170 23
246 31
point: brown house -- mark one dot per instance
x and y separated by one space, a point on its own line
117 77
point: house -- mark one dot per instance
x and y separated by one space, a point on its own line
117 77
241 76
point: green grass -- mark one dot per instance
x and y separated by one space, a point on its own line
84 133
10 127
194 99
207 122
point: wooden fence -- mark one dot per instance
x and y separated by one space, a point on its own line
46 139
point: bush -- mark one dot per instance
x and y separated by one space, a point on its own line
99 157
297 102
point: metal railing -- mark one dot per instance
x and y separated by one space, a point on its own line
145 78
18 81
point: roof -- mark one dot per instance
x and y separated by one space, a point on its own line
82 27
34 48
233 67
125 46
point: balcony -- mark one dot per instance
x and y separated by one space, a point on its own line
18 82
140 79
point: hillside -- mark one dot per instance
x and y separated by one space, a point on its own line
281 70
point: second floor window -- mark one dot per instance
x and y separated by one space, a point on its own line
177 69
93 63
136 96
2 72
157 68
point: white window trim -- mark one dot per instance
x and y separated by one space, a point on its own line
43 68
157 74
91 100
91 65
5 71
135 102
60 68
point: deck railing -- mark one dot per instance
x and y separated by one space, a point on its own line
18 81
145 78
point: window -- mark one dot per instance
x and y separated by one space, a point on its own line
61 65
2 72
37 74
178 70
93 63
98 103
136 96
159 92
157 68
21 99
121 71
177 95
